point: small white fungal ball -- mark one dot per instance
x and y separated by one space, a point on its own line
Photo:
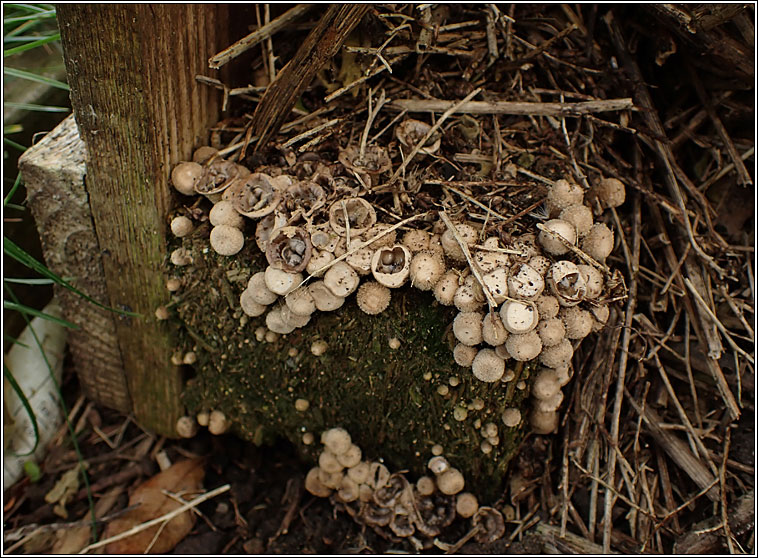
580 216
487 366
319 347
561 228
547 306
466 504
493 330
226 240
563 194
558 355
578 322
544 422
281 282
545 384
593 280
511 417
467 328
314 485
249 306
302 405
394 343
218 423
551 331
181 257
223 213
427 268
373 297
444 290
450 482
438 465
524 346
181 226
598 243
425 486
611 192
337 440
328 462
186 427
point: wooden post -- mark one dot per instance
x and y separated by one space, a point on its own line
131 68
53 172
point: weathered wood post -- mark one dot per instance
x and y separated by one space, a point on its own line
139 110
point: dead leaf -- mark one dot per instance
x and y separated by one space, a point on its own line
66 487
182 478
71 541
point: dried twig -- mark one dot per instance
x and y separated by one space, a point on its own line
248 42
158 520
514 107
474 267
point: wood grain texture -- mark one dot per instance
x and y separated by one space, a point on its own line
323 42
131 68
53 172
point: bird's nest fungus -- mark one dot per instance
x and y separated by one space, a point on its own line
417 259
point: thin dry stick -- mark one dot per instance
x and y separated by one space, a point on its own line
474 268
716 321
165 517
269 45
248 42
476 202
514 107
623 357
311 132
722 483
371 117
683 415
431 131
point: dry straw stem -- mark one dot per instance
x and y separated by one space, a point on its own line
633 265
514 107
474 268
158 520
311 132
716 321
661 145
475 202
676 449
248 42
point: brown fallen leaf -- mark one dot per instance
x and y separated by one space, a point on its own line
181 478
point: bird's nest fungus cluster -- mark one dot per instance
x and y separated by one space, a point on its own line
505 229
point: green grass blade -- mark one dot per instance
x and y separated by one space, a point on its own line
35 44
8 305
64 408
22 281
14 206
35 108
13 129
16 184
20 255
30 17
35 8
23 74
14 144
25 402
14 341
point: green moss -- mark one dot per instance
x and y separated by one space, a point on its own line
378 394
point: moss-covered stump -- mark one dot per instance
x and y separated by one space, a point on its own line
396 403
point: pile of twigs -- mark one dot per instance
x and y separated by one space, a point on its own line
655 449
